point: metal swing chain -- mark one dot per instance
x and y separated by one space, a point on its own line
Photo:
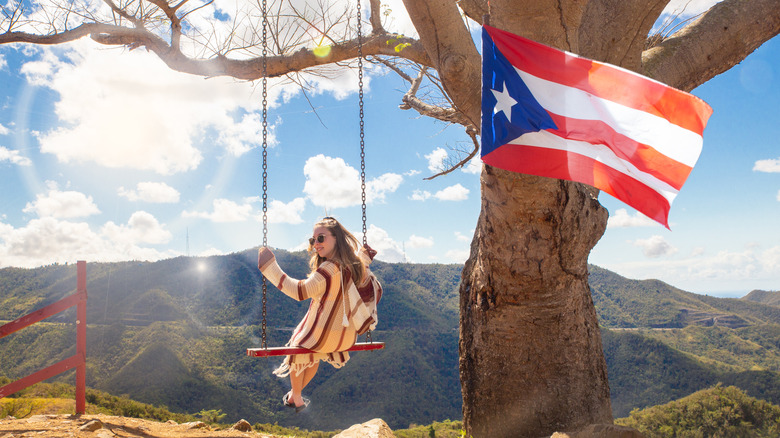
362 133
265 159
362 125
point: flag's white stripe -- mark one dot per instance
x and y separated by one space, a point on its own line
669 139
597 152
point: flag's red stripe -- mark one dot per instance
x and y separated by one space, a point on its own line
603 80
644 157
574 167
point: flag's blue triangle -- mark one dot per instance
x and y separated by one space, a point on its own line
527 115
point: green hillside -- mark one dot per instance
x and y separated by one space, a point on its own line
174 333
771 298
715 412
171 334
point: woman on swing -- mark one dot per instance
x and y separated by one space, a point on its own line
332 323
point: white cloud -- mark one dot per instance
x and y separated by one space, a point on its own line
452 193
778 195
387 249
397 18
239 138
224 211
281 213
622 219
58 204
457 255
13 157
416 242
378 188
155 192
732 271
141 228
655 246
332 183
3 129
474 165
690 7
460 237
420 195
679 10
49 240
210 252
3 62
769 166
436 160
129 110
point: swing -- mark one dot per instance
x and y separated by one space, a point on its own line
264 351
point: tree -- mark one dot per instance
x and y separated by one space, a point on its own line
530 351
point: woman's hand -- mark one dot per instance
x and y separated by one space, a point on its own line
370 251
264 256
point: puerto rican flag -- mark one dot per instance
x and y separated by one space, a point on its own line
551 113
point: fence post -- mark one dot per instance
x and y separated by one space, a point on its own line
81 337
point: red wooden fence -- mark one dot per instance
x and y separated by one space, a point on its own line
78 361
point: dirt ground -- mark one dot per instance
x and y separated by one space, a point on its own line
107 426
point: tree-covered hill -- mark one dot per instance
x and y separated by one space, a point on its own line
175 333
625 303
771 298
714 412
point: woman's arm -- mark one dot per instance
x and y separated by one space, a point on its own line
299 290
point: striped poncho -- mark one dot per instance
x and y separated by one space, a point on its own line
334 319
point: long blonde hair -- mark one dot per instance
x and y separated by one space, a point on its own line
344 252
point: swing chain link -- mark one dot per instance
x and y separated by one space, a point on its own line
265 161
362 124
362 132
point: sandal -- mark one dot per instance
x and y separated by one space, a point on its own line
301 408
286 401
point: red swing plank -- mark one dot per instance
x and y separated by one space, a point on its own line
285 351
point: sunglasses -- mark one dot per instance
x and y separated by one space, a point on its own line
319 239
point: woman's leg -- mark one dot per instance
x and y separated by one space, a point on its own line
299 381
308 374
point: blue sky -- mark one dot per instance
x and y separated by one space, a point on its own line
107 155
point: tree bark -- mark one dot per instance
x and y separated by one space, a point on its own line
531 360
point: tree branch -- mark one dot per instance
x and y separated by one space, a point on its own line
378 43
452 53
718 40
471 130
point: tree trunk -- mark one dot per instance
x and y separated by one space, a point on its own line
531 360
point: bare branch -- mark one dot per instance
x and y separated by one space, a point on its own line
471 130
714 43
376 17
145 25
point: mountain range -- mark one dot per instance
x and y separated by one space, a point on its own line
175 333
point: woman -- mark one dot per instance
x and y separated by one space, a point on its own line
333 320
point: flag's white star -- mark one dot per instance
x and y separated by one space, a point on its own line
504 102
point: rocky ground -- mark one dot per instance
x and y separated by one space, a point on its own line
107 426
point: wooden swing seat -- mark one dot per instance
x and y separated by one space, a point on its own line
285 351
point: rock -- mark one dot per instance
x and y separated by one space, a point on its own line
243 426
601 431
91 426
195 425
375 428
